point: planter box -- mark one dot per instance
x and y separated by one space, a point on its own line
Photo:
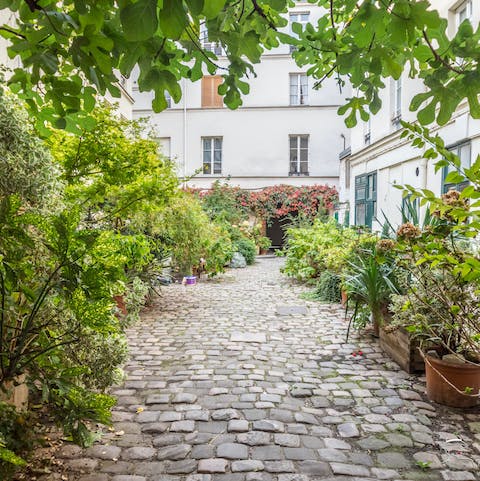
399 345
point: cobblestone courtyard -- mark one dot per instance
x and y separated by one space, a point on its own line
239 379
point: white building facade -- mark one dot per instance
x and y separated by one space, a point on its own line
379 159
286 132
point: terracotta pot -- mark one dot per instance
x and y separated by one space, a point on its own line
440 373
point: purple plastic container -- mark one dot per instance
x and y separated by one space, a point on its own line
190 280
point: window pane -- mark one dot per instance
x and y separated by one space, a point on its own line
218 143
293 161
207 144
303 167
360 214
304 142
217 156
207 155
464 154
303 155
293 142
217 168
293 80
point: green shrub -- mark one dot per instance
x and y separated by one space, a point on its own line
247 248
329 287
218 250
187 232
322 246
16 437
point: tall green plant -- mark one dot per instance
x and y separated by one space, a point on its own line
370 281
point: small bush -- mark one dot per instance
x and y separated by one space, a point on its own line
247 248
328 287
16 437
322 246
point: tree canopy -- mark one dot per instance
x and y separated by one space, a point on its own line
73 49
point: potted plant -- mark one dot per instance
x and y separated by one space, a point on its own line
370 282
441 306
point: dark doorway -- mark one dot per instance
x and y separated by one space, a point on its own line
276 231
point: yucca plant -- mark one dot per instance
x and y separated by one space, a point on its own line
370 282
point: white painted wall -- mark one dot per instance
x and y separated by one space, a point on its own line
394 160
255 136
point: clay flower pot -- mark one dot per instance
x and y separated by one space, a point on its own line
451 384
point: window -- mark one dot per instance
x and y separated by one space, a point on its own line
212 155
301 18
463 151
365 199
367 131
397 103
168 98
298 155
298 89
210 96
463 12
214 47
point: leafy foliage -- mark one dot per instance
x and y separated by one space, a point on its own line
322 246
370 281
73 49
233 204
223 202
371 41
59 268
282 200
187 232
26 168
247 248
328 287
15 437
78 48
112 171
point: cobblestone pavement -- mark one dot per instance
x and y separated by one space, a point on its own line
239 379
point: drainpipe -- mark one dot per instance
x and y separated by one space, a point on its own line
184 133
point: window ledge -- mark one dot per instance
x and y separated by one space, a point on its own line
298 174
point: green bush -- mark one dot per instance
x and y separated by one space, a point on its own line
16 437
322 246
187 232
329 287
247 248
218 249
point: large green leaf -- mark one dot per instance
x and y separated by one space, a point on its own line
196 6
213 7
173 19
139 20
